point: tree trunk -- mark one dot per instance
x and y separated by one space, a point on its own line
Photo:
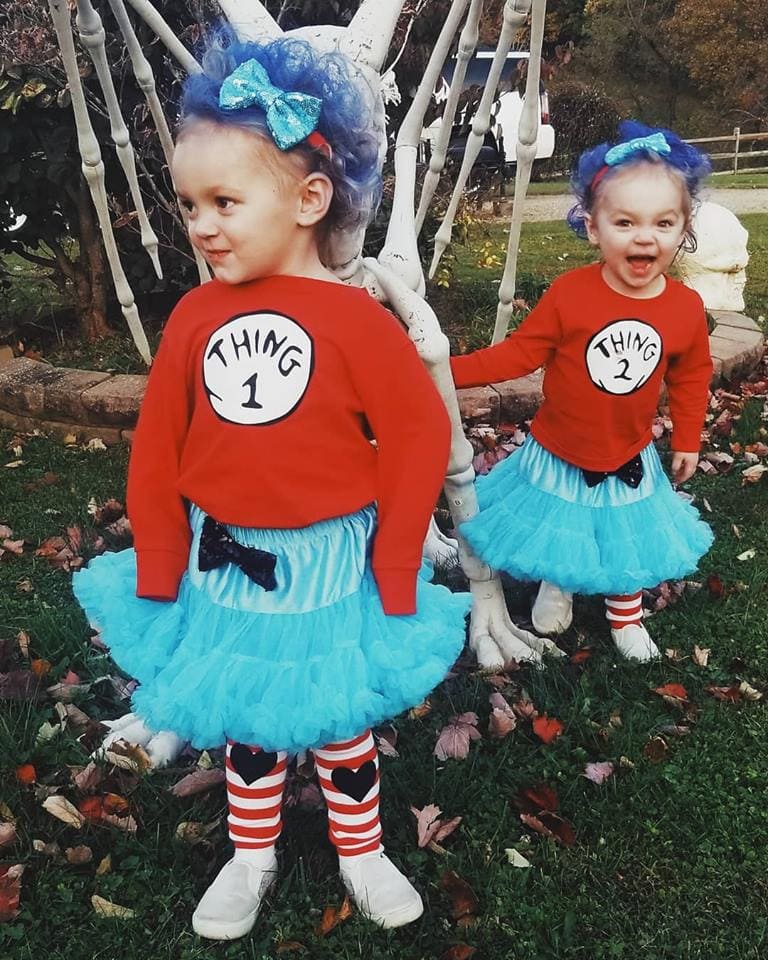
90 272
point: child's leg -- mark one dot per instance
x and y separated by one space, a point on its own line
625 615
349 778
552 610
255 781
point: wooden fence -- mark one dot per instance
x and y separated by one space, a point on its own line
738 155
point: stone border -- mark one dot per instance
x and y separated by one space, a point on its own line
88 404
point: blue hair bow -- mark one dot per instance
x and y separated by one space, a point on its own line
655 142
291 117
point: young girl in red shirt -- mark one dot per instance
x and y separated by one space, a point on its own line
585 506
272 602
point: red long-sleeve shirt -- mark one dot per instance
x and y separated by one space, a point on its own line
256 410
605 356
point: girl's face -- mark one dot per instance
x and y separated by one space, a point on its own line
638 222
247 205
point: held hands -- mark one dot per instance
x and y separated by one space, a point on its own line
683 465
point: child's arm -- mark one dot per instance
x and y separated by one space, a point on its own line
688 378
525 350
412 430
157 511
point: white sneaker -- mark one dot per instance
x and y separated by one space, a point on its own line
634 642
230 905
380 891
552 610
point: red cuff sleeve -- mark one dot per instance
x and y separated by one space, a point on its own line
397 589
158 574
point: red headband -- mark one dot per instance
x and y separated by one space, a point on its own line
598 177
318 142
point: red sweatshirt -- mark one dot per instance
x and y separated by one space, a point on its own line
256 410
605 356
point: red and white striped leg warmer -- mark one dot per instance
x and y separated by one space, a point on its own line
349 778
624 609
255 780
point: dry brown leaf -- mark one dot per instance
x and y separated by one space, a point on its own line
332 917
105 866
464 903
289 946
79 855
427 822
701 655
105 908
22 638
598 772
460 951
454 739
7 833
10 891
656 750
551 825
63 810
749 692
421 710
128 756
198 782
51 849
193 831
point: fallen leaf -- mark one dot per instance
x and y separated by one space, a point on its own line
446 829
524 710
10 891
598 772
753 474
459 951
730 694
516 859
537 798
5 532
289 946
96 445
386 738
464 903
550 825
26 774
78 856
332 917
674 730
715 586
454 739
701 655
193 831
87 779
128 756
674 694
547 729
40 668
747 554
581 655
105 866
51 849
501 723
7 833
198 782
63 810
749 692
105 908
16 547
421 710
656 750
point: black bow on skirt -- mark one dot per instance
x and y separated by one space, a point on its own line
630 473
218 548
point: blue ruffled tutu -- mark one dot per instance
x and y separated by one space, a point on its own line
312 662
538 520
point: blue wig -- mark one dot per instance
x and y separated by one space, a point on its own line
690 165
345 119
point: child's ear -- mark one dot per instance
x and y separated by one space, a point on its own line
314 199
589 223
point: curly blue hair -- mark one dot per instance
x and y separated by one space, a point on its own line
690 164
345 119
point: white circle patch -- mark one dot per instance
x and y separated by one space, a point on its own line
256 368
623 356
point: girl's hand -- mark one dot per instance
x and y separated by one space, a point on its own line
683 465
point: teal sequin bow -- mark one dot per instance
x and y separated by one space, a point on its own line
622 151
291 117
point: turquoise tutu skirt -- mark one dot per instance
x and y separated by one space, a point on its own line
314 661
538 520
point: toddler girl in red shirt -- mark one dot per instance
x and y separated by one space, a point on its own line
272 602
585 506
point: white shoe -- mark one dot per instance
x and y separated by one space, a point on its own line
230 905
380 891
552 610
634 643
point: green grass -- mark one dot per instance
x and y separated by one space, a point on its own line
670 861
